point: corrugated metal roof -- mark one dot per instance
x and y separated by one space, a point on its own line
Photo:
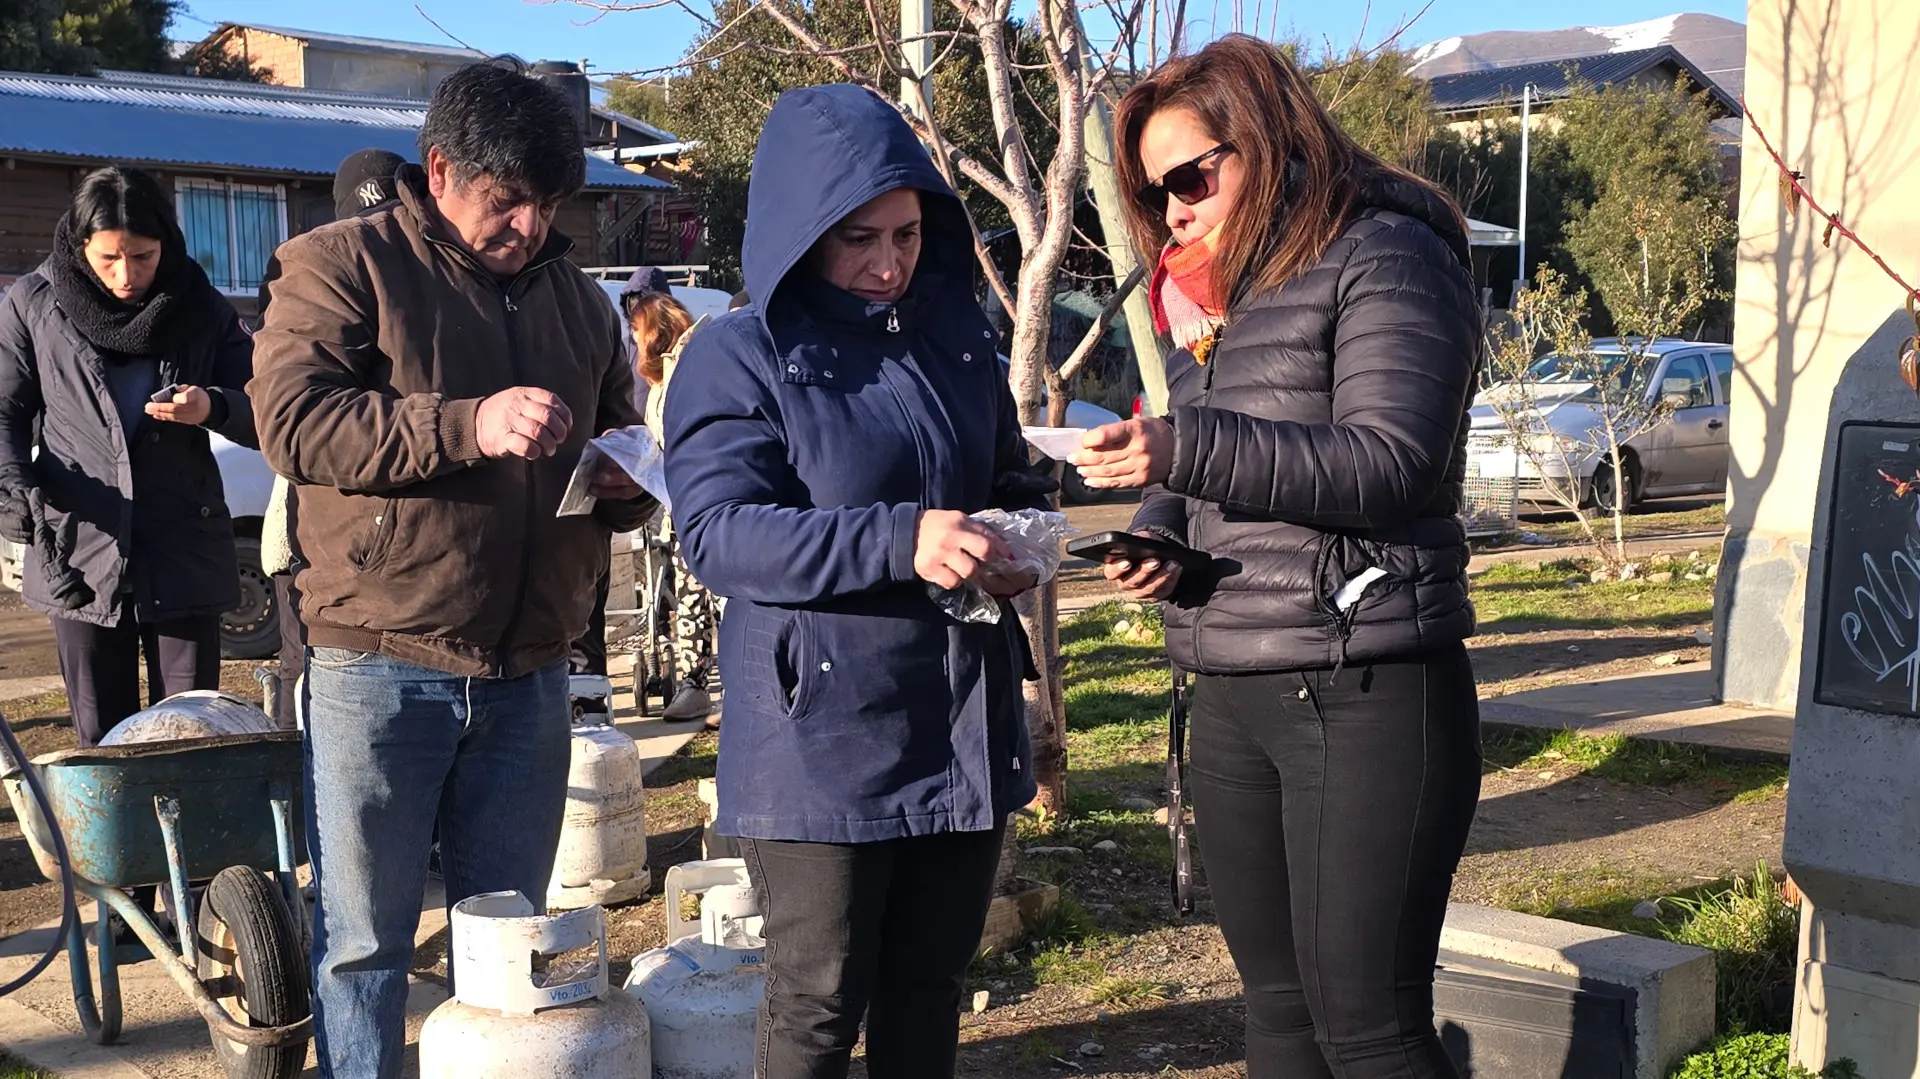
185 121
1554 80
366 44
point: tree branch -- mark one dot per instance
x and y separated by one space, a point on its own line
1020 200
974 170
1101 324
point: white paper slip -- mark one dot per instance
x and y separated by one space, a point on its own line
1351 592
1056 442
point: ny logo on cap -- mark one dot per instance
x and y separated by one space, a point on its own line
369 194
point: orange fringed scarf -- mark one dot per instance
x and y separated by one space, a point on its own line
1185 305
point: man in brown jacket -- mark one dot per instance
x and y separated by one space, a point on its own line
428 374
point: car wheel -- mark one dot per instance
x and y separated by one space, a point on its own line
1603 485
1074 490
252 629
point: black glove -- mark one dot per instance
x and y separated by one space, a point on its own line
16 520
1021 483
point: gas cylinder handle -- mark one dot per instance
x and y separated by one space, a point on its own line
698 878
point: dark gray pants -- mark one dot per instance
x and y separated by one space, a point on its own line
882 930
101 665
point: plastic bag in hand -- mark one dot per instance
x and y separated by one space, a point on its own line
637 454
1033 537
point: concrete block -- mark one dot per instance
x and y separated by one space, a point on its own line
1672 984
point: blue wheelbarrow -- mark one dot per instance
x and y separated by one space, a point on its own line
223 810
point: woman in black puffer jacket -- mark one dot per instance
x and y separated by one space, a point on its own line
1329 336
117 357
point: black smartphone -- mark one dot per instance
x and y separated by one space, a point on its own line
1126 546
164 395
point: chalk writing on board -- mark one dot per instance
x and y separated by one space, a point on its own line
1882 629
1869 652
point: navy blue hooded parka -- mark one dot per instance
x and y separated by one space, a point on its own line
805 434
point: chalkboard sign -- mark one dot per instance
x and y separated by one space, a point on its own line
1870 635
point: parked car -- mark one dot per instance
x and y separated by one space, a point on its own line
1686 453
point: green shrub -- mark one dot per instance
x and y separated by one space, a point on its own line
1755 1056
1754 936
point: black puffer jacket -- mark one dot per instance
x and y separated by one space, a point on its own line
148 510
1325 437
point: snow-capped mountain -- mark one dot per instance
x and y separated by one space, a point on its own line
1715 45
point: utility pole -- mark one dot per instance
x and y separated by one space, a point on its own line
1108 200
916 24
1526 161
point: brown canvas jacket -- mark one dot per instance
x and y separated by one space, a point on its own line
382 338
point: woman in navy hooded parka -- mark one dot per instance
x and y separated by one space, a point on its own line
825 445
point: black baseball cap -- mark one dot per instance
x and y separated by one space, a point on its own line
365 180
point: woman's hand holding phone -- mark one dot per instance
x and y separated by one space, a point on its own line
1149 581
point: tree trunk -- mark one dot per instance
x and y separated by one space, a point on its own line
1101 177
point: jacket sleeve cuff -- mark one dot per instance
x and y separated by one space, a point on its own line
1186 425
906 539
460 430
219 409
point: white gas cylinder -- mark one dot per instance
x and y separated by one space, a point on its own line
603 842
702 991
519 1014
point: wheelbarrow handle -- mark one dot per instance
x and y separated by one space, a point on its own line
216 1017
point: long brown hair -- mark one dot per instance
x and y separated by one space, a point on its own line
1248 93
657 321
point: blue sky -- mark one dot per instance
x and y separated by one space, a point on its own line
635 40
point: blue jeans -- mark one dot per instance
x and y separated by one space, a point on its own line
390 746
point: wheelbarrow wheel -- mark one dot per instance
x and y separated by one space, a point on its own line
250 961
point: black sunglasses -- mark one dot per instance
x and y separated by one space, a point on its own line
1186 181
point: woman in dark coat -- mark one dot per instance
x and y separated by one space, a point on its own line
1329 337
117 356
825 446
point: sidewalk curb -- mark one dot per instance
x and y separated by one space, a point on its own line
1497 717
33 1038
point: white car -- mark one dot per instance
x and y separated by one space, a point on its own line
1686 453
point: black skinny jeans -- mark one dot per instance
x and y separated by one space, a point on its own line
885 930
101 665
1332 812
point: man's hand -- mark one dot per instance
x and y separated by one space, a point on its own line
190 405
522 422
1150 581
951 547
612 483
1131 453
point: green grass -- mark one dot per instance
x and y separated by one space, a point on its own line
1514 598
1122 993
1755 938
1635 762
1561 527
14 1068
1753 934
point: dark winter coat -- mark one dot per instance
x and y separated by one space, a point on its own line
1325 436
805 434
147 505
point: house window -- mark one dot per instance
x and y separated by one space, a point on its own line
232 229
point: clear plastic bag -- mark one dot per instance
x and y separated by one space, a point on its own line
1033 536
637 454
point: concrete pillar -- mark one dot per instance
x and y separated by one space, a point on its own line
1831 83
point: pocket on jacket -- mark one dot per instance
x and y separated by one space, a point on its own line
369 552
777 657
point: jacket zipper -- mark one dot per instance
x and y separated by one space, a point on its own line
460 254
527 522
